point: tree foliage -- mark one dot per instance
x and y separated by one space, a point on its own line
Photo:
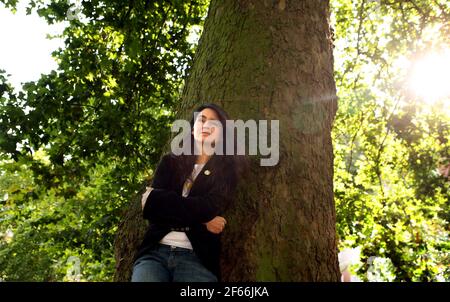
100 121
392 202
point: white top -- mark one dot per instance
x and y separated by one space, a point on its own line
180 239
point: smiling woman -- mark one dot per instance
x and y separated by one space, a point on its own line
430 76
184 206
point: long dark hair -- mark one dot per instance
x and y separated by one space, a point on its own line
229 167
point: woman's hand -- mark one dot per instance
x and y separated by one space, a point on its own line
145 195
216 225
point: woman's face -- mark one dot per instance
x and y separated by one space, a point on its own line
207 127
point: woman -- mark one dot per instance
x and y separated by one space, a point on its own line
184 206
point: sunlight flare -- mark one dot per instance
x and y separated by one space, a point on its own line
430 77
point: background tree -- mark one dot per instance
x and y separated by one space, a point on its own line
391 201
91 131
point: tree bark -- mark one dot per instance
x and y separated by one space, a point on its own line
130 233
272 60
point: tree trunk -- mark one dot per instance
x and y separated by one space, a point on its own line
272 60
130 233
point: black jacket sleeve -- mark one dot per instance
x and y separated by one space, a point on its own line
161 179
167 207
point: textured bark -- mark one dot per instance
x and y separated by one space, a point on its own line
272 60
129 235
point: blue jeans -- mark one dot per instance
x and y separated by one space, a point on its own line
170 264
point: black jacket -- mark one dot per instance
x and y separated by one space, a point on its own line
167 210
